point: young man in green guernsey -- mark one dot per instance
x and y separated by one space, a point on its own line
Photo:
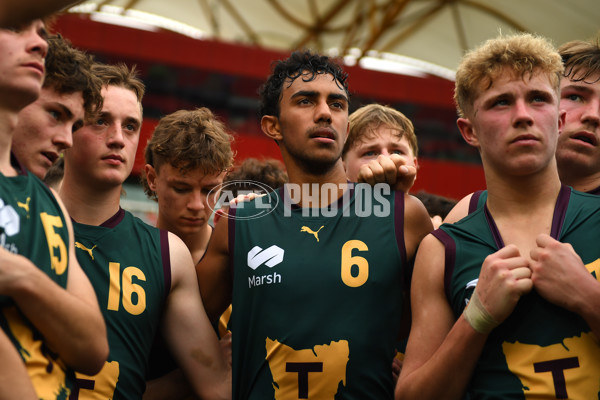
186 161
578 149
510 292
45 294
316 286
144 277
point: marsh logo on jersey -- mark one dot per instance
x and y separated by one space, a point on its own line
270 257
10 225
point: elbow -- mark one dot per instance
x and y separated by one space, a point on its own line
404 392
220 393
220 389
92 352
94 358
100 357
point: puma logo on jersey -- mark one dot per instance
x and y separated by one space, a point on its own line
310 231
82 247
25 206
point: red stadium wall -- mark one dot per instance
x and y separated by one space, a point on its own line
451 179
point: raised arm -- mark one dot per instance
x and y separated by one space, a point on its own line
390 169
59 314
188 331
214 273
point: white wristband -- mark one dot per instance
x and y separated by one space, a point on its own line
478 317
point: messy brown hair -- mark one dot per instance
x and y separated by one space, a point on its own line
581 60
189 140
120 75
69 70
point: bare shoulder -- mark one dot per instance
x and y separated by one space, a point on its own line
429 304
417 224
432 317
430 263
213 272
414 209
459 211
182 265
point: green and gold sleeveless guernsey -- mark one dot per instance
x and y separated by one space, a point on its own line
317 295
33 225
541 351
128 264
479 198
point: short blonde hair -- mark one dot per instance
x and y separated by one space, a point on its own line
370 117
523 53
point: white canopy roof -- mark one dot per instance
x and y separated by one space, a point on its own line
435 31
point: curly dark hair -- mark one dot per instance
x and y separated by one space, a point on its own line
69 70
300 63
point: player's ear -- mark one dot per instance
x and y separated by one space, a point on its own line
465 126
271 127
150 176
562 115
347 132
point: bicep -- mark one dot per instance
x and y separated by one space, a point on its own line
432 317
185 325
184 298
214 273
417 224
459 211
78 284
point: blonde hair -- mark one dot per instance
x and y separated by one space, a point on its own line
370 117
524 54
